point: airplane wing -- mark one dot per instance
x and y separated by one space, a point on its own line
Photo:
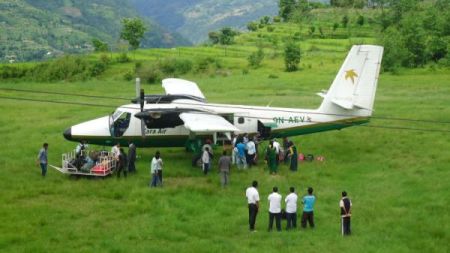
175 86
205 122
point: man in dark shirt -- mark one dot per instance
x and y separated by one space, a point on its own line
224 168
345 205
131 158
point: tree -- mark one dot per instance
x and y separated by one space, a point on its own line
255 58
214 37
286 8
133 31
252 26
345 21
292 55
227 36
99 46
360 20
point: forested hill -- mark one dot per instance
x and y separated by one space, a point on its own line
195 18
35 29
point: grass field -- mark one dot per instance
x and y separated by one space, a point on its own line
398 179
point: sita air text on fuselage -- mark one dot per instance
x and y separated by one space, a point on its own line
182 115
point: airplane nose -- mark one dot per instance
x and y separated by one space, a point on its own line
68 134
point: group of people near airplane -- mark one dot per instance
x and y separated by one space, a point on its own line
290 213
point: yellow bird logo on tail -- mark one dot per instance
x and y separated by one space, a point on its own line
351 74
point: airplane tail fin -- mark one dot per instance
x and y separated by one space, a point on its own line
353 89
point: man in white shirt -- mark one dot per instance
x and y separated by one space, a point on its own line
253 204
115 152
155 167
277 147
206 160
251 152
275 209
291 209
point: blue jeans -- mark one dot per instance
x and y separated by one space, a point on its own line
155 180
44 169
291 220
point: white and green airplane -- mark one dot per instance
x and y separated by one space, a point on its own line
182 116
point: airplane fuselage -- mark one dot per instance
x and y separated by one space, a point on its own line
267 122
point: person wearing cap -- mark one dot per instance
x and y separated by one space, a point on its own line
275 209
253 204
345 204
291 209
308 208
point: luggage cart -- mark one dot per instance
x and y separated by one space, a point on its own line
104 166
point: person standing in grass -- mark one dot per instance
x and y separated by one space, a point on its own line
224 168
241 161
122 163
253 204
42 159
275 209
206 160
291 209
271 158
345 204
251 153
308 208
293 156
155 166
131 157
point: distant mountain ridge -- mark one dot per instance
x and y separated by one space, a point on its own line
193 19
36 29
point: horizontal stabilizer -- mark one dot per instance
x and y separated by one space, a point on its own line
346 104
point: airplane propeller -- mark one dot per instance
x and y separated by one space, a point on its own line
141 103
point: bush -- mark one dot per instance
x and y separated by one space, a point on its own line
252 26
204 64
270 28
97 68
273 76
255 58
67 68
312 29
345 20
149 74
128 76
292 55
173 66
360 20
335 26
7 72
123 58
276 19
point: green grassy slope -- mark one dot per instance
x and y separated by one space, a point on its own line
397 179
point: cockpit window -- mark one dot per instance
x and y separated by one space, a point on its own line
116 114
120 123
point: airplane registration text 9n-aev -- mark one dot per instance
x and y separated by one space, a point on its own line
182 114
